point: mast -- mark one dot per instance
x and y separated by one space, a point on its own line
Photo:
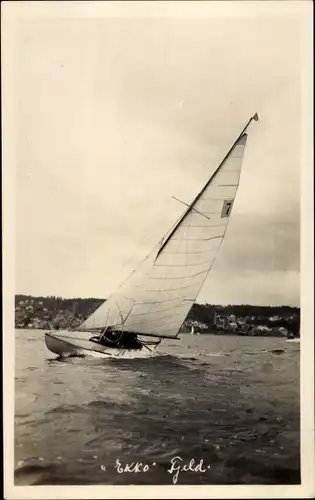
191 206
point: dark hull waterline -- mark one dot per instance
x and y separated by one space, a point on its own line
65 344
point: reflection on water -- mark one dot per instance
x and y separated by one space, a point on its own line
231 401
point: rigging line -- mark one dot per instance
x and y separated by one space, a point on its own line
106 318
194 209
122 320
144 345
241 135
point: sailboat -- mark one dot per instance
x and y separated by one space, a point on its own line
153 303
295 340
193 332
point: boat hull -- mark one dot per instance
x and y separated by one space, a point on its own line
74 344
58 346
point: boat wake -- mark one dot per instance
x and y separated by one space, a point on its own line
143 354
196 354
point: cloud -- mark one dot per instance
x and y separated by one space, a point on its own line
116 116
252 287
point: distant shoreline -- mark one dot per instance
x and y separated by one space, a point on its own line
55 312
101 300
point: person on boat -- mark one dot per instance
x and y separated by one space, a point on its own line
109 338
118 339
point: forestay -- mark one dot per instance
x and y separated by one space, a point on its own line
158 296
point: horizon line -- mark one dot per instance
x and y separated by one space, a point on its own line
198 303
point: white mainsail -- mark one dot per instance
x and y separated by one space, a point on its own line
159 295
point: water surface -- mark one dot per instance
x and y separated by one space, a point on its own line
231 401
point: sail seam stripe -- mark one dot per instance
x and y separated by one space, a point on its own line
207 227
212 199
156 290
182 297
183 265
198 239
159 332
178 277
132 325
158 310
127 298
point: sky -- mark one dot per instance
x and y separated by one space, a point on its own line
117 114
